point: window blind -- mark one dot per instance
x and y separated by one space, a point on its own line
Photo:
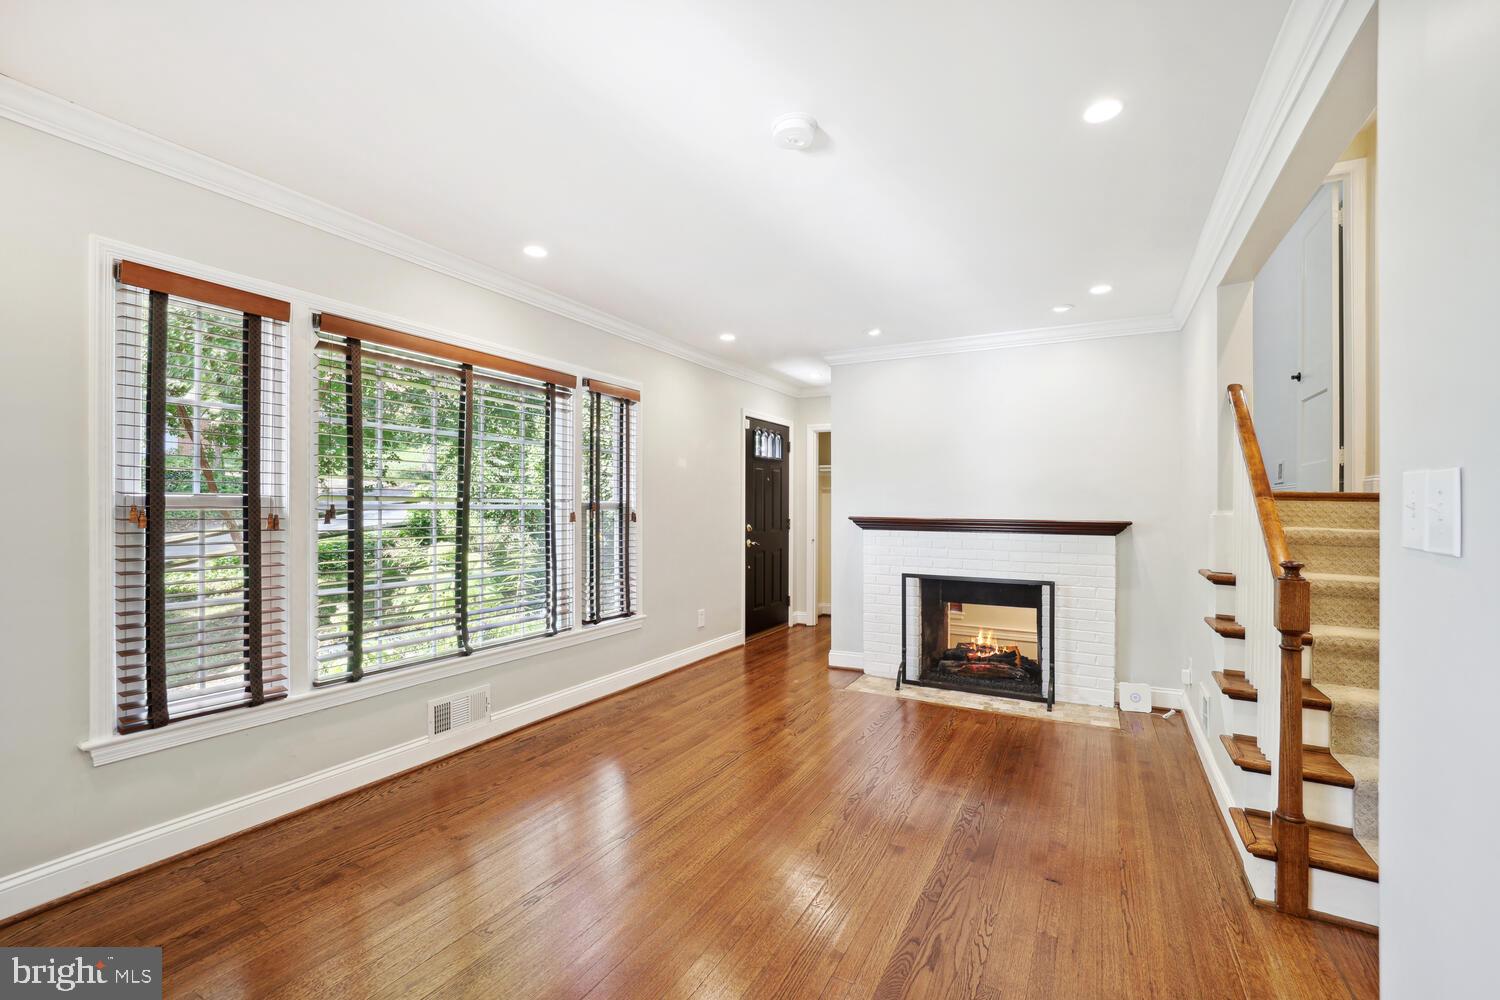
611 532
440 490
199 497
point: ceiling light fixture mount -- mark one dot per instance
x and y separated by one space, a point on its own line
1062 308
534 250
794 131
875 332
1101 289
726 336
1103 110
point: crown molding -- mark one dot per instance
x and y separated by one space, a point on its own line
1009 338
26 105
1308 49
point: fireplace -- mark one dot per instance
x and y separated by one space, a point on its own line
984 636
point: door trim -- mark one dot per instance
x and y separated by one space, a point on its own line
1353 175
791 491
810 518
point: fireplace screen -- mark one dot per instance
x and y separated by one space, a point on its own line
978 635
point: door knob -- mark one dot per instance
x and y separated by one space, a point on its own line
750 544
1297 377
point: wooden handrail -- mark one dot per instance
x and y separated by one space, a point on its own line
1291 619
1260 483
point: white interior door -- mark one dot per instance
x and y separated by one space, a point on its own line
1296 314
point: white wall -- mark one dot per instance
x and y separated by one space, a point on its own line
1074 431
1440 249
55 195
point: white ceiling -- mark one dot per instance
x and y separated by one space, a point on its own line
956 191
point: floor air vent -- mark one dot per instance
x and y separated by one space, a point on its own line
456 711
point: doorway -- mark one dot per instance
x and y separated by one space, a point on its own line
768 524
1299 317
817 506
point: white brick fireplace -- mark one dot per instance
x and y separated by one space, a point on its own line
1077 556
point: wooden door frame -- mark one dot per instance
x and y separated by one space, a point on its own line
746 414
1353 176
810 516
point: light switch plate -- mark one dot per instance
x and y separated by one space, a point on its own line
1414 510
1444 514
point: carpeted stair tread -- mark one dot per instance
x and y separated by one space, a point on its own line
1329 513
1366 771
1330 635
1343 581
1355 702
1348 599
1345 655
1308 534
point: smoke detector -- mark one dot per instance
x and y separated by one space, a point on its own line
794 131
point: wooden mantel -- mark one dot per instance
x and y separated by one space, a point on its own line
1015 526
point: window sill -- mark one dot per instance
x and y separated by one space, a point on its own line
108 749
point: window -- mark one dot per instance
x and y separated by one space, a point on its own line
199 498
610 541
443 499
443 485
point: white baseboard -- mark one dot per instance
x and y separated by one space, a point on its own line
804 618
1168 698
1216 779
825 609
848 659
1372 484
80 869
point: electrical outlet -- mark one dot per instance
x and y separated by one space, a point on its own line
701 620
1187 677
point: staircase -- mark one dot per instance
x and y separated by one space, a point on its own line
1293 747
1337 540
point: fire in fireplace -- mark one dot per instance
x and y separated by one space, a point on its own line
978 635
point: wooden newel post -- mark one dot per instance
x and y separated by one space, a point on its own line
1288 824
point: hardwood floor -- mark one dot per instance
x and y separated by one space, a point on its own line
742 827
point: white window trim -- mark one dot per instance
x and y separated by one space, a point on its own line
104 745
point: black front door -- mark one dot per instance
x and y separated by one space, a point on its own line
768 523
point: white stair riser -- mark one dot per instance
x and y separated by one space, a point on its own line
1344 896
1223 600
1229 653
1241 719
1316 727
1320 803
1239 716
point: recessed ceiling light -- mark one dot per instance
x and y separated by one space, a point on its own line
875 332
1101 289
532 250
1062 308
726 336
1102 110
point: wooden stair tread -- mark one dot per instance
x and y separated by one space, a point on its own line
1329 848
1318 763
1217 577
1234 684
1225 625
